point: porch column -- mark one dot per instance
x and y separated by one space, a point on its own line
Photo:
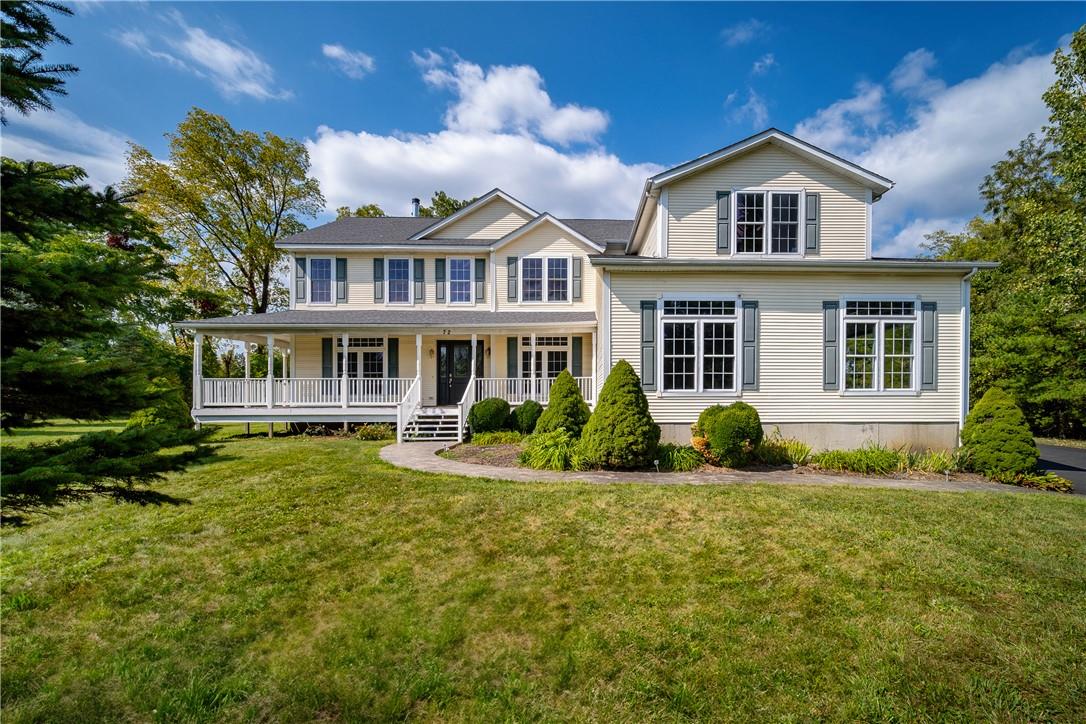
531 371
493 356
271 372
592 341
197 371
418 357
293 357
343 377
474 348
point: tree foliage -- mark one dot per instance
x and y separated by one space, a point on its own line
566 408
620 434
368 211
222 201
996 438
1029 315
25 31
442 205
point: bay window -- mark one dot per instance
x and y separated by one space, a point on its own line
699 345
880 345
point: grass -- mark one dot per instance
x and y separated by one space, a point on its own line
304 579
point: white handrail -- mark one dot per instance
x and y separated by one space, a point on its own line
466 401
410 402
233 391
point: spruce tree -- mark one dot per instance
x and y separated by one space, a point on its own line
566 408
620 434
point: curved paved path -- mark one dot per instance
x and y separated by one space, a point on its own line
423 456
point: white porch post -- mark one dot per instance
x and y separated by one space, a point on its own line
271 371
197 371
474 347
293 357
248 374
531 371
592 341
343 376
418 357
493 356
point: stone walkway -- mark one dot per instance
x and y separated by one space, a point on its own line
423 456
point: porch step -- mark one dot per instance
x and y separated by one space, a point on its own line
436 425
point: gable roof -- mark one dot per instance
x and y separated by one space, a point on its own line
547 218
471 208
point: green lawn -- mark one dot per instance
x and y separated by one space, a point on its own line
301 579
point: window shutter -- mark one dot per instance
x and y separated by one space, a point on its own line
393 355
928 377
575 367
511 361
341 279
439 279
299 278
420 280
378 279
723 222
648 345
326 358
814 211
576 278
830 357
480 280
511 262
750 345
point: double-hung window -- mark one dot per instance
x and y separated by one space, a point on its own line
880 345
551 356
699 345
767 222
544 279
365 357
460 281
399 281
320 281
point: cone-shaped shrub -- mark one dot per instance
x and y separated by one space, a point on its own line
566 409
996 437
620 434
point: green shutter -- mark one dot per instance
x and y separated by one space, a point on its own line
648 345
299 278
341 279
480 280
576 278
439 279
723 222
378 279
750 345
830 344
511 362
326 357
575 367
928 376
393 351
511 264
420 281
813 226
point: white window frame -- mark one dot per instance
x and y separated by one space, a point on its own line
546 292
331 281
410 281
448 281
542 350
880 390
767 192
736 391
383 349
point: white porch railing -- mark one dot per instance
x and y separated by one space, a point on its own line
518 390
411 401
234 392
373 391
302 391
465 406
309 391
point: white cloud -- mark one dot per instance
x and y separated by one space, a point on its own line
501 129
754 109
234 69
352 63
743 32
906 243
941 152
61 137
507 98
763 64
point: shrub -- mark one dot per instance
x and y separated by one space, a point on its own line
620 434
1041 481
679 458
524 416
566 409
996 438
733 433
501 437
375 431
929 461
871 459
554 450
488 415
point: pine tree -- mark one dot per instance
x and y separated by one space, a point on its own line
25 30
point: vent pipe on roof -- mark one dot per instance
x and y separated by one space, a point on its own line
415 207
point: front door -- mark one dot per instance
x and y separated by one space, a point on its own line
454 370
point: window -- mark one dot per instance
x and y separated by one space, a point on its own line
880 348
365 357
548 362
373 365
544 279
320 281
699 345
460 281
399 281
777 234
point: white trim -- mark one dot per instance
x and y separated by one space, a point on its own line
546 216
367 248
916 319
493 285
472 208
448 281
294 278
542 348
964 351
546 292
331 281
867 223
736 318
410 282
605 337
662 226
767 221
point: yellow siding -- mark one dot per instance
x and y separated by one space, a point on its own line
790 370
492 221
692 202
543 240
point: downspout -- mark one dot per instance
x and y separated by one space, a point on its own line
966 332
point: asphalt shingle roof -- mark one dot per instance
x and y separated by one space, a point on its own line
389 317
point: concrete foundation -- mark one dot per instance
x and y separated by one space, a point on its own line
846 435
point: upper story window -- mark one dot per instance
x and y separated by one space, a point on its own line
399 281
545 279
758 231
320 281
460 281
699 345
880 345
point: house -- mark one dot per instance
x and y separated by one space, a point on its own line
745 274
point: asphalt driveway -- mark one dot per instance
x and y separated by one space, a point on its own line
1067 462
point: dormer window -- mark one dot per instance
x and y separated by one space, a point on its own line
759 232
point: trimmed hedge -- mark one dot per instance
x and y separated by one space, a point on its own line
731 434
620 434
996 437
566 409
488 415
524 417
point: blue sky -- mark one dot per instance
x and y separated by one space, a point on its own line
567 106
